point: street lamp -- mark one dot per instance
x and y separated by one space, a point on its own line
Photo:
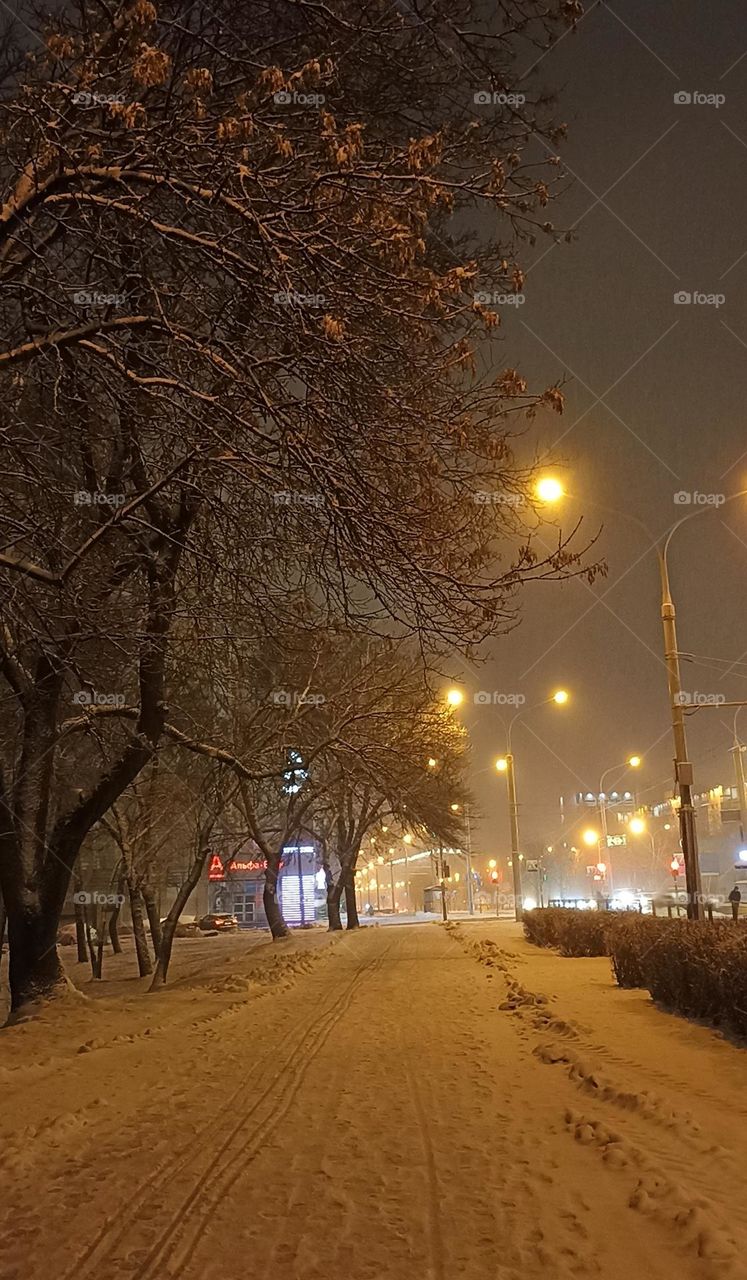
549 489
683 769
455 697
505 764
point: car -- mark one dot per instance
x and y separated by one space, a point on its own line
218 922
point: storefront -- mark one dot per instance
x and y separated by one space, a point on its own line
236 884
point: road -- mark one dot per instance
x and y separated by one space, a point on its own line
375 1115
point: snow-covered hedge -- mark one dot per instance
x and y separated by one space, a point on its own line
697 970
574 933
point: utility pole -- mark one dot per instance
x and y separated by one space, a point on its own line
470 887
442 877
513 811
683 770
737 750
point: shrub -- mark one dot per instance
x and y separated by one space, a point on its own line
697 970
574 933
631 944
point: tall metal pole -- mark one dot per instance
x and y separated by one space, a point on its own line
513 810
737 750
470 892
683 770
391 881
442 878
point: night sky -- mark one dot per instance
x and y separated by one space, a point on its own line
655 406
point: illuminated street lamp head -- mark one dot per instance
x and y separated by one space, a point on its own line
407 838
549 489
432 763
492 864
455 697
454 808
590 836
635 762
501 764
637 826
560 696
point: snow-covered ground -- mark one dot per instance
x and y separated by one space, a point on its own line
416 1103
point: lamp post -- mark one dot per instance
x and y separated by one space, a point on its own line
737 750
505 764
683 770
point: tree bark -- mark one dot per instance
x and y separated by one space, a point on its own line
278 927
350 903
154 919
334 894
138 929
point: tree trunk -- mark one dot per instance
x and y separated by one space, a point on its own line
138 929
278 927
80 932
154 919
114 931
172 919
3 918
334 894
35 971
351 904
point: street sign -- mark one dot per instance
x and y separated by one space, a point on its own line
616 842
532 864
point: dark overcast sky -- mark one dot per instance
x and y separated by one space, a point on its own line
655 405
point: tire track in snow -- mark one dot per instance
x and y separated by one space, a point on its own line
101 1248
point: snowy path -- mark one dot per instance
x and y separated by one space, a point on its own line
380 1118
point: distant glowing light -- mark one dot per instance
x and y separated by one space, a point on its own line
529 904
549 489
561 696
590 837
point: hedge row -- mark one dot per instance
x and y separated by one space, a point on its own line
697 970
573 933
